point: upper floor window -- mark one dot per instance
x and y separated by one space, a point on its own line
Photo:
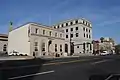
61 25
76 28
60 35
71 23
86 23
36 30
55 34
89 30
36 43
66 24
54 27
66 30
71 29
84 34
83 22
55 47
71 35
86 30
50 33
76 21
87 35
60 48
66 36
76 34
43 31
83 29
58 26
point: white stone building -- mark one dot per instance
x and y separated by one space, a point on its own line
3 43
36 38
78 31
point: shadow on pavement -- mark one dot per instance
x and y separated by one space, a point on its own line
14 68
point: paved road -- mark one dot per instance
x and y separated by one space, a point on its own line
65 69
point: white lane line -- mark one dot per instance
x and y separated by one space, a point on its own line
100 61
31 75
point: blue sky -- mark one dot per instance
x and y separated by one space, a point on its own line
104 14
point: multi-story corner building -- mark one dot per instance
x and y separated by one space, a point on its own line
72 36
78 35
3 43
36 38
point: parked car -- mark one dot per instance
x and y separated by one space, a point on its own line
104 53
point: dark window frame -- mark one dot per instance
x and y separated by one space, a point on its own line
71 29
66 36
77 35
71 35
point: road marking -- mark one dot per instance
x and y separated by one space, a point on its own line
100 61
31 75
65 62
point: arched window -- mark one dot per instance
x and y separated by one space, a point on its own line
43 46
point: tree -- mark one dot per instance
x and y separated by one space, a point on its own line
117 49
102 39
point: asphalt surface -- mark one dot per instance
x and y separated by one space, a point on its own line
79 68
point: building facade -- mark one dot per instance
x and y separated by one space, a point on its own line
3 43
78 35
68 37
34 38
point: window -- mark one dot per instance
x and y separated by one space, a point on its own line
55 47
36 48
36 43
60 35
86 23
43 46
89 30
66 30
76 34
84 34
71 23
60 48
66 24
76 21
54 27
58 26
76 28
5 47
83 29
77 46
66 48
66 36
83 21
87 35
55 34
61 25
86 29
43 31
71 35
36 30
50 33
71 29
